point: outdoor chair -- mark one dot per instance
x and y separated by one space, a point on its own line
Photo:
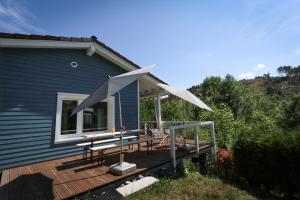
160 136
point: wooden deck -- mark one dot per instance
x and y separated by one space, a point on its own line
67 177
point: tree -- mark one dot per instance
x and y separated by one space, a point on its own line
147 109
295 72
285 70
292 112
280 70
232 92
226 127
210 90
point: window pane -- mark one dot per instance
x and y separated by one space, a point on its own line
95 117
68 123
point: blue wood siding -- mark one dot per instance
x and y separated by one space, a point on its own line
29 82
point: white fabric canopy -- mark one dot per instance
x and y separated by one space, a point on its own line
185 95
112 86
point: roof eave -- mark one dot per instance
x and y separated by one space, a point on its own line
39 41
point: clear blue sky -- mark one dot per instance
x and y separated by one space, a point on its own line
187 40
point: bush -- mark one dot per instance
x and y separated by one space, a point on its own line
226 127
269 160
262 123
225 163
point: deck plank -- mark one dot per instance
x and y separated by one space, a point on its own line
67 177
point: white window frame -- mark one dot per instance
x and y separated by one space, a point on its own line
79 124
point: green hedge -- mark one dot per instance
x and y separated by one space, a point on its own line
269 160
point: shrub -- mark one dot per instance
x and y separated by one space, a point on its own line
269 160
226 127
262 123
225 163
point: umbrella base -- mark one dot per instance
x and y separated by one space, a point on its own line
122 168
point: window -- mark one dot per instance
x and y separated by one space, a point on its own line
97 118
68 122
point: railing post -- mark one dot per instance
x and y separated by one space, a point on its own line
196 138
145 127
158 112
173 150
214 144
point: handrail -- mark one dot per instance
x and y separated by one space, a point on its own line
191 125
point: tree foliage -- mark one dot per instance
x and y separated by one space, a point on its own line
269 160
292 112
261 127
289 71
237 108
226 127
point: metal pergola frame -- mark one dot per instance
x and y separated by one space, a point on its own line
195 125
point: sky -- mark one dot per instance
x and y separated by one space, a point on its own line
187 40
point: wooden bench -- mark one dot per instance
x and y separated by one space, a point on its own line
85 145
101 149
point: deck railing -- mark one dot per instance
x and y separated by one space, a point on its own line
196 126
190 130
187 132
164 124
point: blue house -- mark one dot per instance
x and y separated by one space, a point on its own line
42 79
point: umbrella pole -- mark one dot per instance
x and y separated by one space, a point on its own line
183 122
121 130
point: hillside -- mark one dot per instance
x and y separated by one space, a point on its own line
268 85
283 85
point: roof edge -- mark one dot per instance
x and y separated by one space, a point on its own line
94 39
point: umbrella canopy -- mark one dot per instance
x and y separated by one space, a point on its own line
112 86
185 95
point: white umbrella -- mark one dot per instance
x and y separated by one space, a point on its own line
112 86
185 95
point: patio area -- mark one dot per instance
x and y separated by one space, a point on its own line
70 176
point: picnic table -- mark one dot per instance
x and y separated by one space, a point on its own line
93 137
101 149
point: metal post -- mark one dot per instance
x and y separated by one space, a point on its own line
214 144
173 153
158 112
183 120
121 130
196 137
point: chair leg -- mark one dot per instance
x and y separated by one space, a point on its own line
83 154
147 147
102 155
98 159
86 152
85 149
151 144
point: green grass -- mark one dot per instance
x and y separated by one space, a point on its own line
191 186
